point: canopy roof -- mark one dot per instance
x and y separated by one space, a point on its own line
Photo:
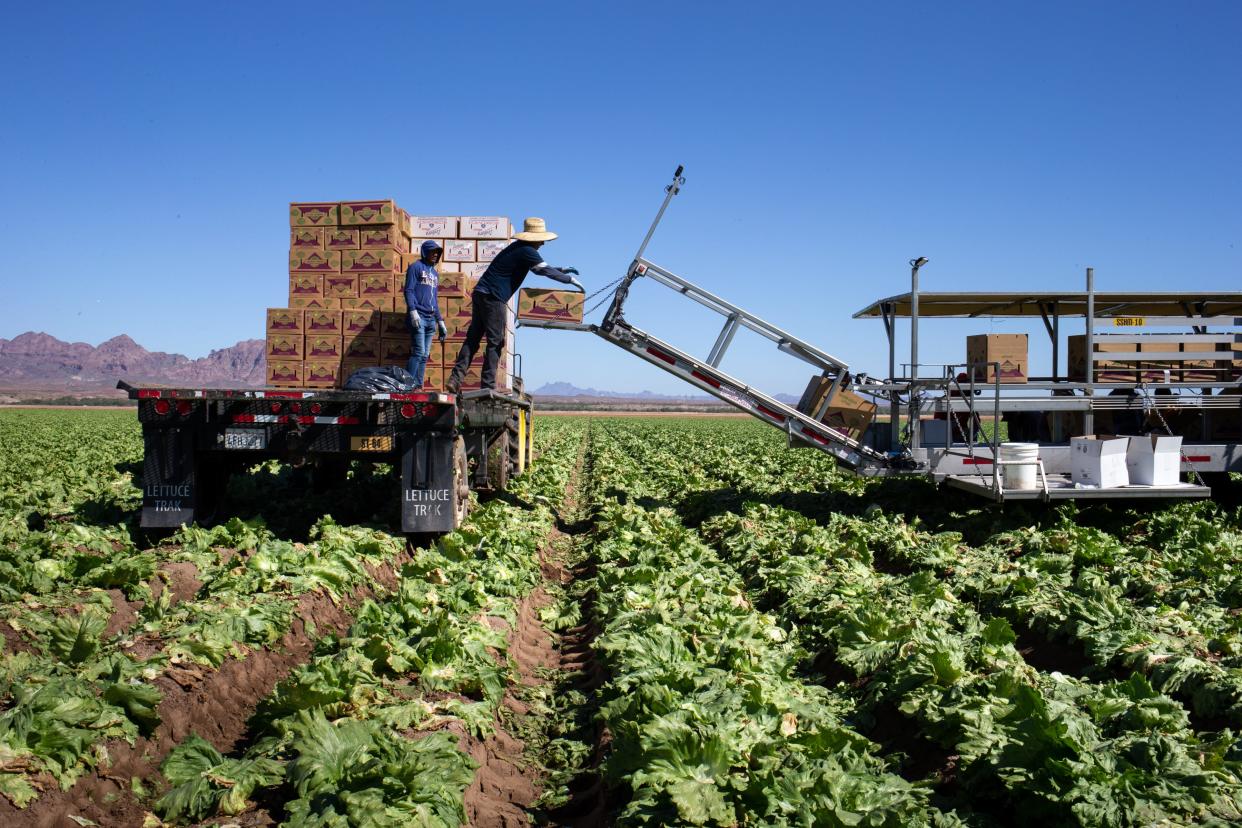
972 305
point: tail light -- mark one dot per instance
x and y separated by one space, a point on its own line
408 411
162 407
316 408
296 407
275 407
184 407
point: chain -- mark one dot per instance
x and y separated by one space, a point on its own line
611 287
1150 405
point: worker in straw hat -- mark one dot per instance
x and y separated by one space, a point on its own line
491 297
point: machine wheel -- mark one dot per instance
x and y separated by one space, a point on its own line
500 461
461 480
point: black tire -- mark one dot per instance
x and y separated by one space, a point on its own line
500 461
461 480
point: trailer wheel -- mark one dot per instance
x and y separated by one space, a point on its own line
499 461
461 480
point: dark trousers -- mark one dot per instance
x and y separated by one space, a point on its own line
487 319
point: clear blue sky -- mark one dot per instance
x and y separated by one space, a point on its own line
150 149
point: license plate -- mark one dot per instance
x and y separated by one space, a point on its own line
374 442
246 439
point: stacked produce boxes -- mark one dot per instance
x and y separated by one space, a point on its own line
346 310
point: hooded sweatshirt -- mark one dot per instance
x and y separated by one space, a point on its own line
422 284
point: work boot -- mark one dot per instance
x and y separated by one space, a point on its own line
452 386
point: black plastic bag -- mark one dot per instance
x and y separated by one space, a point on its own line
386 380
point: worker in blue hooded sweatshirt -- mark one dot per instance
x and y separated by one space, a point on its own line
422 298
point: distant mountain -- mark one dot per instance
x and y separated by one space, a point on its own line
567 389
38 360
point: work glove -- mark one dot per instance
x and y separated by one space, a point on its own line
415 321
442 330
572 270
577 284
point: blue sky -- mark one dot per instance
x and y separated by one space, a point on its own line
150 150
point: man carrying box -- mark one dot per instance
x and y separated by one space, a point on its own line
491 297
422 284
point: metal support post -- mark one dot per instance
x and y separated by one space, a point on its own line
888 312
915 264
723 341
1089 418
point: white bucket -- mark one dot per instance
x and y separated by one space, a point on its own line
1024 476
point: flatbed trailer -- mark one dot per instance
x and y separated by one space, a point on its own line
443 445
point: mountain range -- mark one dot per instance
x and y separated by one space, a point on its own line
39 360
566 389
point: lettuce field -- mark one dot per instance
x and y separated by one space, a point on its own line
664 622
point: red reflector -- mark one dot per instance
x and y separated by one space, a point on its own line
1198 458
283 395
276 407
296 407
184 407
316 408
770 413
704 378
304 420
408 411
243 418
347 421
162 407
662 355
148 394
412 397
977 461
816 437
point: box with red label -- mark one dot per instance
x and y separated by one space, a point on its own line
433 227
314 261
488 248
383 238
1106 370
305 284
349 366
370 261
982 350
483 227
473 379
550 305
435 375
340 238
459 250
374 284
323 322
285 346
324 346
314 303
455 284
405 223
362 346
340 285
456 313
284 372
394 351
321 373
392 325
306 238
368 212
354 322
474 270
284 320
379 303
314 213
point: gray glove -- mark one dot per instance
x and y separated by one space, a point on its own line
442 330
416 321
572 270
576 284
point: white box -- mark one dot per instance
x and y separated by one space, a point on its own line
458 250
488 248
483 227
434 227
1155 460
474 269
1099 462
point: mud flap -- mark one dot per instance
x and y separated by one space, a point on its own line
429 495
169 490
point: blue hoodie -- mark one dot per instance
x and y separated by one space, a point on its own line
422 284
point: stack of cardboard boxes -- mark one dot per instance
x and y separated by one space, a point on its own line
347 263
1193 364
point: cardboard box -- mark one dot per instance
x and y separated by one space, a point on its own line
848 413
383 211
450 268
383 238
284 320
340 285
394 351
314 261
323 322
373 284
488 248
321 373
370 261
1201 369
474 270
354 322
435 375
459 250
378 303
392 326
284 372
324 346
483 227
1154 460
1106 371
341 238
305 284
405 223
314 303
552 305
306 238
455 284
314 213
1099 462
433 227
285 346
456 312
362 347
1010 350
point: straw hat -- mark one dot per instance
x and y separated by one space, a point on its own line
535 230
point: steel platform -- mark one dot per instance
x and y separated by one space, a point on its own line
1060 487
